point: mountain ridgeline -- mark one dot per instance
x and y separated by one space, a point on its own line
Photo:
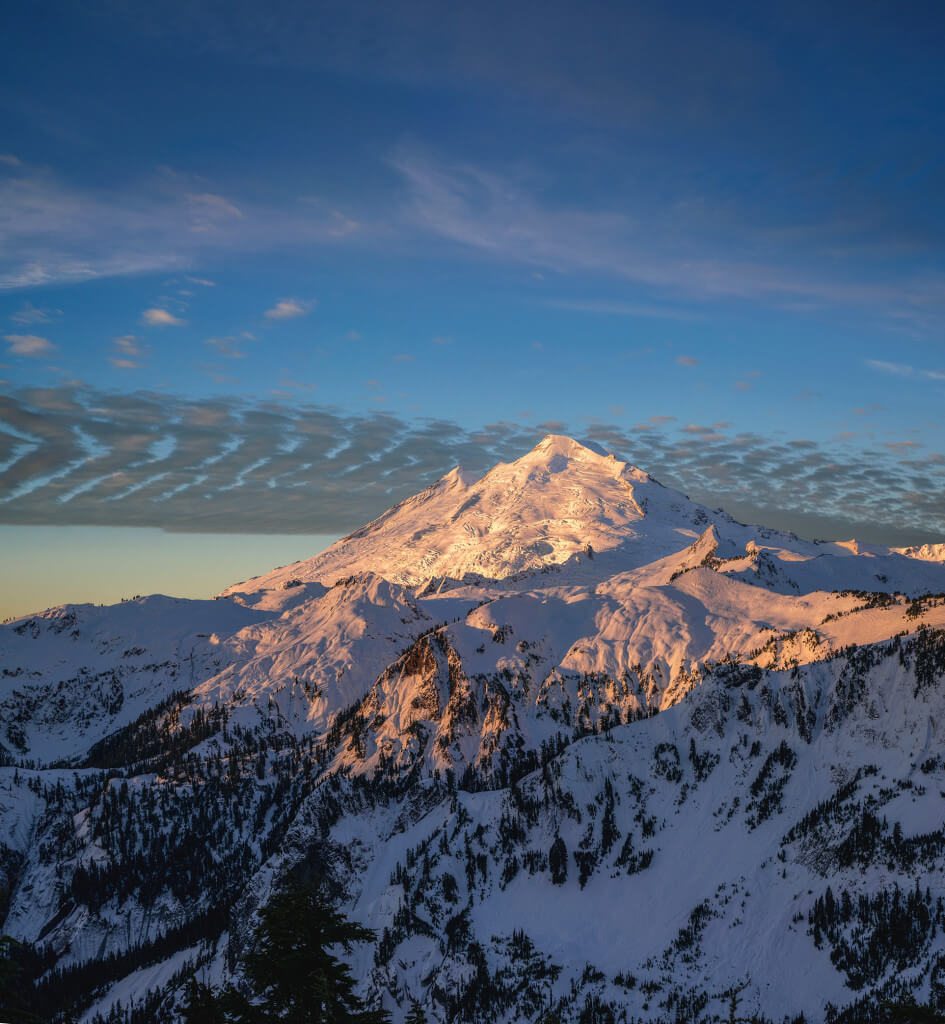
568 745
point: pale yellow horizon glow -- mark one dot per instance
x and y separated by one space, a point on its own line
43 566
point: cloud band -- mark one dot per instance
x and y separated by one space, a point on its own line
77 456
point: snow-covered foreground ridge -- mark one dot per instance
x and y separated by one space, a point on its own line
566 740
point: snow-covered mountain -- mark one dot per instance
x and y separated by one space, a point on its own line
558 508
567 740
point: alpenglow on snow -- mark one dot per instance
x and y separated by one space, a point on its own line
571 745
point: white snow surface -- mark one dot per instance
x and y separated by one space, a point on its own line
564 595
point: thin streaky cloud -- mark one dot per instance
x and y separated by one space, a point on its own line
904 370
627 309
56 232
896 369
494 215
208 203
30 314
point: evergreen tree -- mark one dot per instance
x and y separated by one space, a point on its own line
416 1015
18 967
558 861
294 975
203 1006
911 1012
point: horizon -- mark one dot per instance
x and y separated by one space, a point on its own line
214 561
263 276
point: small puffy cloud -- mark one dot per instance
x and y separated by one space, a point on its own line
31 345
686 361
10 160
161 318
705 433
288 309
127 352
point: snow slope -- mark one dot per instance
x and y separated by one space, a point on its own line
716 721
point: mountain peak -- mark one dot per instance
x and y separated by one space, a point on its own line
556 451
562 444
458 479
549 509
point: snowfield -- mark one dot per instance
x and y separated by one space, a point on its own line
566 740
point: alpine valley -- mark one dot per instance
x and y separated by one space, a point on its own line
571 745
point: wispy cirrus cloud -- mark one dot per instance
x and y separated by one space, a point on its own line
681 250
30 314
677 255
208 207
904 370
79 456
627 309
54 232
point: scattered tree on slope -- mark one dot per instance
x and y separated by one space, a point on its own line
293 973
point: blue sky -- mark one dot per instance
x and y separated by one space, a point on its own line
712 236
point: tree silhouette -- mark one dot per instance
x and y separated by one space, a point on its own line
416 1015
203 1006
911 1012
294 975
18 966
558 861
